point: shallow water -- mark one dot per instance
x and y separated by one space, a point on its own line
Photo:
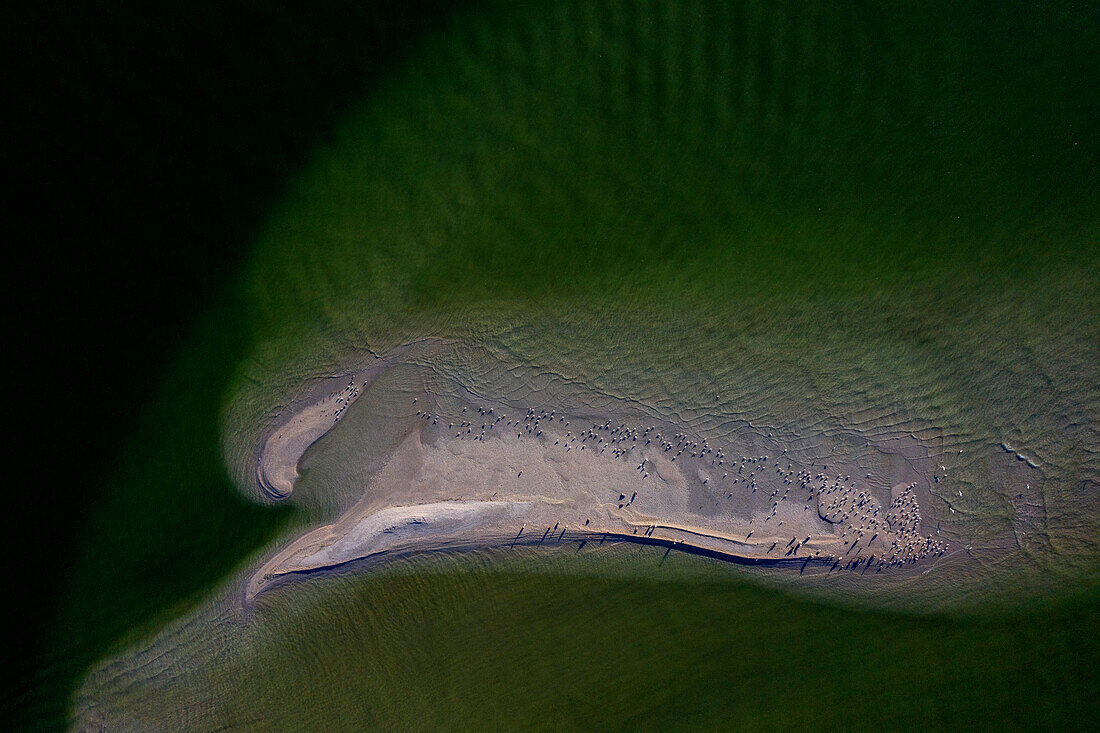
785 227
573 640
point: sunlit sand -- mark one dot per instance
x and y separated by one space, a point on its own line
467 473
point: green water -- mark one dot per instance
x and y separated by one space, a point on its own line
551 653
814 210
528 651
487 644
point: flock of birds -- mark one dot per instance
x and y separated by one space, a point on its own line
341 400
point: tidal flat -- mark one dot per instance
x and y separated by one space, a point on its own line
650 365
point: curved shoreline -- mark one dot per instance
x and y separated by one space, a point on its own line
289 564
310 416
497 542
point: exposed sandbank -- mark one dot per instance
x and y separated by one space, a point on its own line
470 472
277 464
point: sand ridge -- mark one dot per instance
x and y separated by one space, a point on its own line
277 463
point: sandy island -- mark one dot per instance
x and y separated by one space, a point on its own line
469 473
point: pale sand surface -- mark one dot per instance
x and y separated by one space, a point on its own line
309 414
277 467
426 461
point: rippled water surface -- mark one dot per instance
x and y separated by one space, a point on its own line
851 233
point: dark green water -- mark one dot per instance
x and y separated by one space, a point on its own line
894 177
460 646
528 651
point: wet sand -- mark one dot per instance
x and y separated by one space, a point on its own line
277 464
453 470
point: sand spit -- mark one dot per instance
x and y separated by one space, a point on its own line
311 415
277 464
387 531
453 469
